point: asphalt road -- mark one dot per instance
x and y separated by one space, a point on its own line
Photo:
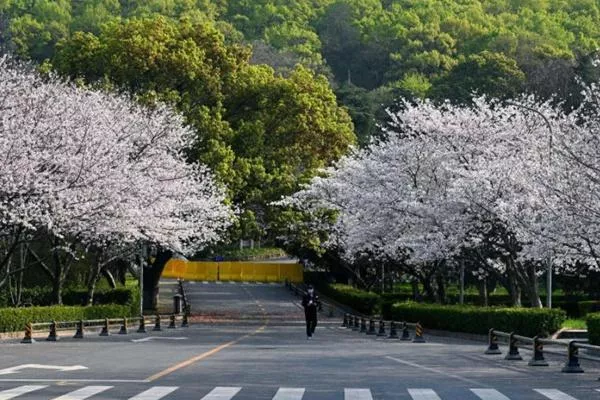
248 342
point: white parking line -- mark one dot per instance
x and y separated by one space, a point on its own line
155 393
14 392
222 393
84 393
489 394
554 394
289 394
357 394
423 394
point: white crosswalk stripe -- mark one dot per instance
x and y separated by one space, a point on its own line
18 391
423 394
84 393
289 394
489 394
554 394
155 393
222 393
357 394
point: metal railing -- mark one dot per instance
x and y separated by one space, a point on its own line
537 344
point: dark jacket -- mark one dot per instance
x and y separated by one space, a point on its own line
310 303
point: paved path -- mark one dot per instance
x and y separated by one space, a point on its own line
264 354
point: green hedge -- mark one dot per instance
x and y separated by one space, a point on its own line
593 326
14 319
587 307
471 319
359 300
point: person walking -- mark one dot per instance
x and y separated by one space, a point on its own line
310 302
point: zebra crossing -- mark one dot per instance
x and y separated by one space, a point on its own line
230 393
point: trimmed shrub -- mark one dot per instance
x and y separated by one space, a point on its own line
593 326
359 300
587 307
471 319
14 319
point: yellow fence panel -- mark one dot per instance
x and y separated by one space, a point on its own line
233 271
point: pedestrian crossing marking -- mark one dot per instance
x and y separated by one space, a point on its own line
357 394
423 394
554 394
84 393
489 394
289 394
14 392
222 393
155 393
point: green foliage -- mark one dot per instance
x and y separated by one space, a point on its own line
14 319
574 324
587 307
470 319
359 300
593 325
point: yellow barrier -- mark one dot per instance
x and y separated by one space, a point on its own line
233 271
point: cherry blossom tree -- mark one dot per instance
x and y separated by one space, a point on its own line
97 171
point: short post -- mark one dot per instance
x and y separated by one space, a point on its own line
513 349
393 332
52 337
79 331
419 334
184 321
356 325
157 324
537 360
172 322
363 325
371 330
28 339
405 334
572 365
493 343
142 327
345 322
123 330
105 331
381 328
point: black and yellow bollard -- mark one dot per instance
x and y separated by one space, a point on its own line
123 330
572 365
172 322
142 327
345 321
52 337
363 325
493 343
371 330
79 331
184 320
28 339
537 360
393 332
105 331
419 334
405 334
157 324
381 328
513 348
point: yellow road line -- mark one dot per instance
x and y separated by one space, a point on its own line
202 356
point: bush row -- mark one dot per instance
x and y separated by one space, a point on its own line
14 319
593 326
359 300
472 319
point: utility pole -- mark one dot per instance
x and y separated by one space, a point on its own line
549 283
462 282
142 254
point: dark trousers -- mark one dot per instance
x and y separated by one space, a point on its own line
311 321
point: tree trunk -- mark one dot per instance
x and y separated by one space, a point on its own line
152 277
441 287
428 288
533 287
110 278
514 289
483 292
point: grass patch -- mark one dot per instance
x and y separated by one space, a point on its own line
573 323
